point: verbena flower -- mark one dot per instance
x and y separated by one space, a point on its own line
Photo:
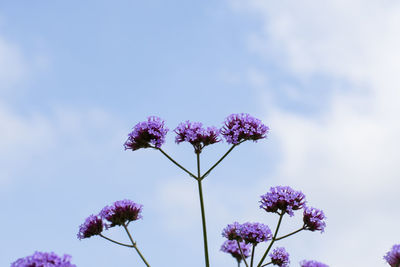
44 259
280 257
93 225
393 256
231 247
146 134
121 212
255 233
282 199
242 127
195 134
232 231
314 219
306 263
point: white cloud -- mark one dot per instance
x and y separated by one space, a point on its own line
347 156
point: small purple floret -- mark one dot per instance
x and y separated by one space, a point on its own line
314 219
242 127
255 233
121 212
280 257
93 225
44 259
282 199
195 134
147 134
393 256
306 263
232 231
231 247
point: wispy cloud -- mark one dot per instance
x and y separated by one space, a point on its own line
345 155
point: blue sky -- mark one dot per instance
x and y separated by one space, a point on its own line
75 77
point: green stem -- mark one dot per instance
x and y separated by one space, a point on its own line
177 164
292 233
218 162
203 215
116 242
134 246
267 264
238 263
272 241
252 255
241 254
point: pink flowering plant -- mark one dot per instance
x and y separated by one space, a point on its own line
242 239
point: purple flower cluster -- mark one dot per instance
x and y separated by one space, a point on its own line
121 212
306 263
280 257
314 219
282 199
195 134
231 247
242 127
393 256
93 225
253 233
44 259
146 134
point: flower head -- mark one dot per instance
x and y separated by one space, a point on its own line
255 233
282 199
44 259
93 225
280 257
231 247
242 127
121 212
147 133
393 256
306 263
314 219
232 231
195 134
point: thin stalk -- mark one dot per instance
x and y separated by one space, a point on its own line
177 164
116 242
241 254
238 263
267 264
252 255
135 247
272 241
292 233
218 162
203 215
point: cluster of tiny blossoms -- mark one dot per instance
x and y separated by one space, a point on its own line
393 256
280 257
307 263
231 247
253 233
236 129
119 213
282 199
44 259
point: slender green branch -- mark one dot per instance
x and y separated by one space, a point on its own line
292 233
267 264
238 261
218 162
241 254
135 247
176 163
203 215
272 241
252 255
116 242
